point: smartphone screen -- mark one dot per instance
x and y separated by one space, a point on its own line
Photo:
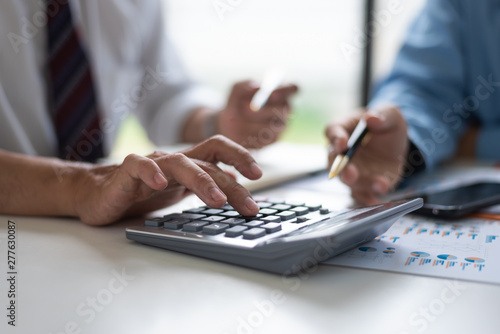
461 200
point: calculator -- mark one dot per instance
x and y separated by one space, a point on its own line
286 237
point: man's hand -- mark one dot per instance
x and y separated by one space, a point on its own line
376 167
255 129
143 184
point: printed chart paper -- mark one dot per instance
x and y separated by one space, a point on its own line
467 249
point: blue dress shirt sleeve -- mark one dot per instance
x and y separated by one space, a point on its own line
427 81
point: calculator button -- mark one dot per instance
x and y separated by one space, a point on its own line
324 211
213 219
195 226
155 222
254 223
214 229
227 207
235 231
281 207
295 203
175 224
263 205
286 215
233 221
268 212
271 227
300 210
230 214
247 218
192 216
172 216
301 220
313 206
212 211
275 200
271 219
254 233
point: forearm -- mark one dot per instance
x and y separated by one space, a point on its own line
38 186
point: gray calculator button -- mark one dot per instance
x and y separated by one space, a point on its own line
263 205
227 207
192 216
268 211
254 233
235 231
301 220
254 223
271 227
271 219
213 219
248 218
324 211
155 222
230 214
214 229
313 206
175 224
286 215
212 211
275 200
281 207
233 221
195 226
172 216
295 203
300 210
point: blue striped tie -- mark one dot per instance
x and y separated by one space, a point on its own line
74 102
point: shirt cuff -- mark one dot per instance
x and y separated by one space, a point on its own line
174 114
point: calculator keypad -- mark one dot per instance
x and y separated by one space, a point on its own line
227 223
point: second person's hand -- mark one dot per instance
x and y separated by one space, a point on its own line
255 129
376 167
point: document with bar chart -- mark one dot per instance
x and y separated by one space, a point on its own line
467 249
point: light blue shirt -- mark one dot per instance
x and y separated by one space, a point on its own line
446 76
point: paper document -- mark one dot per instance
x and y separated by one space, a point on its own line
467 249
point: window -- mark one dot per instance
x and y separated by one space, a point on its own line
320 43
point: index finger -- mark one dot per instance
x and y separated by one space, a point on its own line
222 149
282 93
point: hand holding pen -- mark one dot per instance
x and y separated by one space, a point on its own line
373 167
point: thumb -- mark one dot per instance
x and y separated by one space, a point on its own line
244 90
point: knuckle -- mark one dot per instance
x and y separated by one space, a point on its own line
202 178
131 158
175 158
219 139
235 187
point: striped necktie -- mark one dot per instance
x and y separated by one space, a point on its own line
74 102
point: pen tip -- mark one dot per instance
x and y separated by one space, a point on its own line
338 165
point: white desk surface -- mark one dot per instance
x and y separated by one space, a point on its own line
67 283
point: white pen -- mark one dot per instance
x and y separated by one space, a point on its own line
270 82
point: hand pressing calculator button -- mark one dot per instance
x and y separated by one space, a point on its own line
287 236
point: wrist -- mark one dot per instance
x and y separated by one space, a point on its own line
202 124
79 178
414 162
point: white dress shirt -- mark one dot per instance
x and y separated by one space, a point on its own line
134 66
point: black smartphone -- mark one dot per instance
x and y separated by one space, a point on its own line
459 201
